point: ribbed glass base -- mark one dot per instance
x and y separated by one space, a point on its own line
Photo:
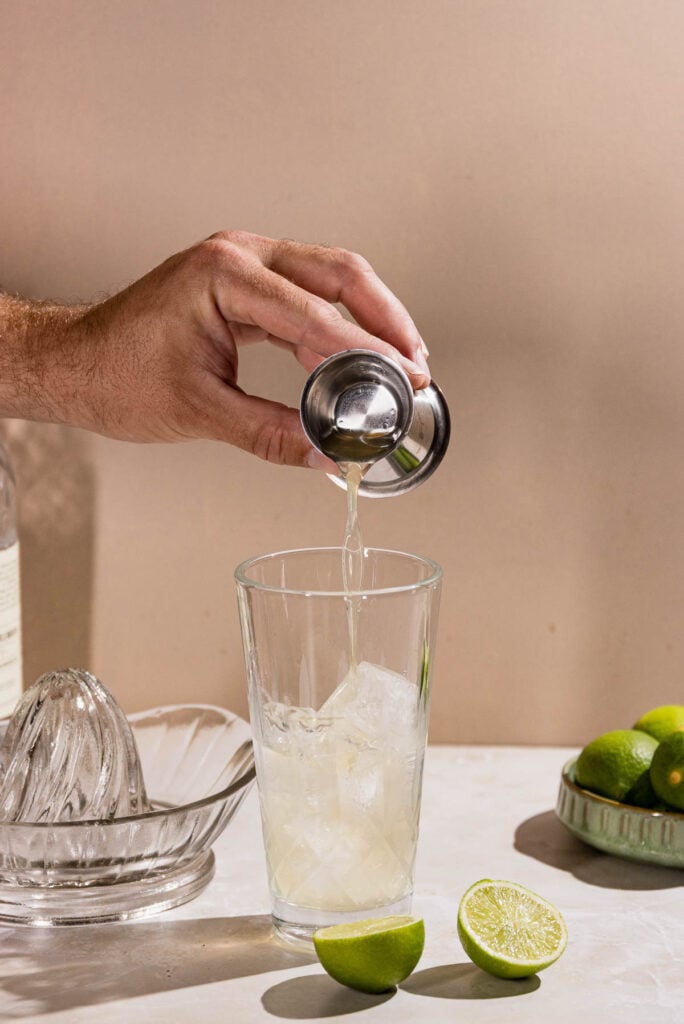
297 924
45 906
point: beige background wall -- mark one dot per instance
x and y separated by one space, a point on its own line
515 171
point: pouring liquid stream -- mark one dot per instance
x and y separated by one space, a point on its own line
352 553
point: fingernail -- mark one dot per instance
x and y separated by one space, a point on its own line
424 348
317 460
421 363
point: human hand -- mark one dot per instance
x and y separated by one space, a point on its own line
159 360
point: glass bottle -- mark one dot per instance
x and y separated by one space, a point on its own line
10 603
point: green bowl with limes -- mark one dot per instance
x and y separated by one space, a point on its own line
637 833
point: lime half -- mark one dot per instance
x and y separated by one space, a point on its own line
509 931
373 955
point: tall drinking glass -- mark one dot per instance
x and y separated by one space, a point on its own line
339 691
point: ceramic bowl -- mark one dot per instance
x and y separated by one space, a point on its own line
656 837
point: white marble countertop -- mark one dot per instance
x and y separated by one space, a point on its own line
487 812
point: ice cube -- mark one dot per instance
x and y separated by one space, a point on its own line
294 730
381 704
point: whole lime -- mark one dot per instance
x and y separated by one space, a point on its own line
667 770
613 763
661 721
642 794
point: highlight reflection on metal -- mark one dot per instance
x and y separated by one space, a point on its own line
358 406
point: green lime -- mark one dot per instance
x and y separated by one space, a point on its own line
661 721
613 763
642 793
509 931
373 955
667 770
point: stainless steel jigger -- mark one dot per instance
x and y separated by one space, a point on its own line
358 406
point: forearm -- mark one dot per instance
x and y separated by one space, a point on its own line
35 383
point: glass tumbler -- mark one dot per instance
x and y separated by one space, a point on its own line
339 691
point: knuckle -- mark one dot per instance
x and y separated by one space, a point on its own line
189 419
353 264
220 253
234 235
318 317
270 443
321 313
358 264
243 239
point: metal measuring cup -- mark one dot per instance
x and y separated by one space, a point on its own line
358 406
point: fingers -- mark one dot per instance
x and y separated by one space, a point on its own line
304 356
341 276
291 300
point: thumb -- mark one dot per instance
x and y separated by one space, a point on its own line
267 429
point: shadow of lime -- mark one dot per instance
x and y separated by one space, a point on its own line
466 981
315 997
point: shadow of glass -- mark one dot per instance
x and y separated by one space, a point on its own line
64 968
546 839
317 996
466 981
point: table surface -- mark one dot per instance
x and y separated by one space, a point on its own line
487 812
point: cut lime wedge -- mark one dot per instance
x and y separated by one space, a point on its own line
509 931
372 955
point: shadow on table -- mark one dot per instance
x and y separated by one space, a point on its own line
466 981
546 839
316 996
47 970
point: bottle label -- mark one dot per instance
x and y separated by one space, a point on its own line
10 630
